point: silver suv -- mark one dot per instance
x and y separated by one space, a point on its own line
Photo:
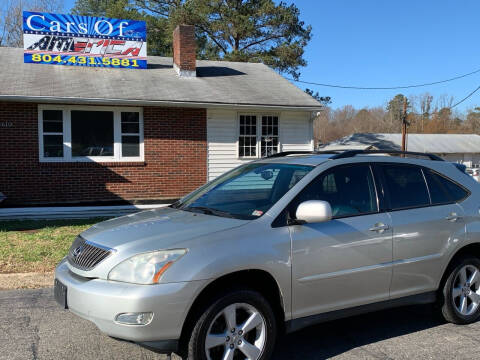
279 244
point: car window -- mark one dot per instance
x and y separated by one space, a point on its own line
406 186
451 191
246 192
297 176
438 193
350 190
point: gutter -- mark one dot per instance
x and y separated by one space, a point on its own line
168 103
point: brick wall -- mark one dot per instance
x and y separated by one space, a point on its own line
184 47
175 161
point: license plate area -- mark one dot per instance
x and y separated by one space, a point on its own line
60 293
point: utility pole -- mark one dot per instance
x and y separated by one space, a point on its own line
404 125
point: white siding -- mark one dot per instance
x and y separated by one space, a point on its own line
296 133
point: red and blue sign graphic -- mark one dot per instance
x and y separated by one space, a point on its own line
84 41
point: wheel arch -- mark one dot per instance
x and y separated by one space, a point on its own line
255 279
469 249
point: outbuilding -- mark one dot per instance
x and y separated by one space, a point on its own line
458 148
71 134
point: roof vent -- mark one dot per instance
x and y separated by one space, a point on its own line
184 51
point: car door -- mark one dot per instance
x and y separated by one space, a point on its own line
426 221
346 261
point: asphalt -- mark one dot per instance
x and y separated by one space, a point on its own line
32 326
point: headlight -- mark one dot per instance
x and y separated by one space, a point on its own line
145 268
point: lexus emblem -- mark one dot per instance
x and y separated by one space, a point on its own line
77 251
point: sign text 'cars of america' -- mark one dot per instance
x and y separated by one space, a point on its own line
84 41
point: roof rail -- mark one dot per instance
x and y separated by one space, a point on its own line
352 153
286 153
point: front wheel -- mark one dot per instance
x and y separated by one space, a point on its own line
237 326
461 292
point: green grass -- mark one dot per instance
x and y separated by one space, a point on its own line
37 245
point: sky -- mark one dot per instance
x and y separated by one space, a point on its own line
384 43
375 43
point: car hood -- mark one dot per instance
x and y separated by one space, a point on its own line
156 229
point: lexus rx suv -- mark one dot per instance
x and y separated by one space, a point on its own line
278 244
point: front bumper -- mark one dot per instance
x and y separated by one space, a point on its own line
100 301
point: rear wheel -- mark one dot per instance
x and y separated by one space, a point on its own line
461 292
237 326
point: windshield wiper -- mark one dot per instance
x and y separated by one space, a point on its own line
210 211
175 205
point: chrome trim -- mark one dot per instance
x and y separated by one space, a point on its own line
85 255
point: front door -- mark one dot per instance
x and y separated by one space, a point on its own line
346 261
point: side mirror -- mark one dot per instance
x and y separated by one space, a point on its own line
314 211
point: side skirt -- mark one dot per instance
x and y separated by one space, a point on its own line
300 323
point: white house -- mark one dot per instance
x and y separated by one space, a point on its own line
73 134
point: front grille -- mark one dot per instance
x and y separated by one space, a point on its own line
85 255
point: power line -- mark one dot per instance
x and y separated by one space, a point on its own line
454 105
465 98
384 88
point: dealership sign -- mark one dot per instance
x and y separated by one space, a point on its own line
84 41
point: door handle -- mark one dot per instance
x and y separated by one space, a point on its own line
379 227
452 217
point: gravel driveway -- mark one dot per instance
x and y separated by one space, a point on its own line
32 326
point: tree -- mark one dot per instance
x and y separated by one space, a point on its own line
425 108
159 39
235 30
473 120
395 111
242 30
324 100
11 18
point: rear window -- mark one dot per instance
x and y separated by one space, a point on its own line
443 190
406 186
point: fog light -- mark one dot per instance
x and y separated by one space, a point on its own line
138 318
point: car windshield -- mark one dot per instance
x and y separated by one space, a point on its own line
246 192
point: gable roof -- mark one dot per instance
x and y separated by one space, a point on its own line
218 83
431 143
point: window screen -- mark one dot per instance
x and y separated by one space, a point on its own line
52 133
92 133
406 186
247 142
269 141
130 134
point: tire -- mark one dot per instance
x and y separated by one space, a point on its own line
461 292
257 341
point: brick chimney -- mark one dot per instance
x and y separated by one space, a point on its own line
184 51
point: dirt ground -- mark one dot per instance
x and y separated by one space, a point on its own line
26 280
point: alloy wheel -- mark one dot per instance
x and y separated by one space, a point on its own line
465 290
237 332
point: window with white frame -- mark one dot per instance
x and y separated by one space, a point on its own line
258 135
90 133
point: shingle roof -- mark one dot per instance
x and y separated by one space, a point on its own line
432 143
218 83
